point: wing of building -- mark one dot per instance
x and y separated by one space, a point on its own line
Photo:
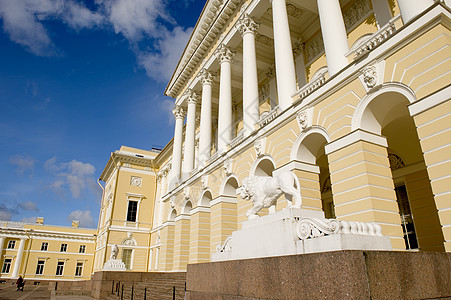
41 252
350 95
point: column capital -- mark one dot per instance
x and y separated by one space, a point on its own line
178 112
247 25
224 54
206 77
192 96
298 48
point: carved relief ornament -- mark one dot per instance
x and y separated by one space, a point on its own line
136 181
228 166
206 77
259 146
302 118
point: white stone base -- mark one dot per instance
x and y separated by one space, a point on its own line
276 234
114 265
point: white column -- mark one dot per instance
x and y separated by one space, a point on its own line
224 56
334 35
298 53
247 28
286 78
179 115
18 260
188 162
164 176
205 118
271 75
2 242
411 8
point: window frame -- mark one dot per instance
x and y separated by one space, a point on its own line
60 267
63 248
40 267
11 244
129 202
7 262
129 264
79 269
44 245
82 247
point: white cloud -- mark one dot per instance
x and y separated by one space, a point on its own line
160 64
23 163
78 176
134 19
84 216
29 205
22 21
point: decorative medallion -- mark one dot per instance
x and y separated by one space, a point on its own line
136 181
129 240
370 76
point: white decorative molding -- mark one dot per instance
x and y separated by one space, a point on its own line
136 181
353 137
375 39
370 76
186 191
268 117
226 246
311 86
314 48
238 139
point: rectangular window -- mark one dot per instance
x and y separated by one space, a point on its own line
6 265
11 244
132 209
127 258
40 267
79 269
82 249
59 268
44 246
63 248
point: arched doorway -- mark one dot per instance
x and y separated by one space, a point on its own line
315 181
386 114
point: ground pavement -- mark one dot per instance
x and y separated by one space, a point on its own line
34 292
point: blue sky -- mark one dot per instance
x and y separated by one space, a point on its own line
78 79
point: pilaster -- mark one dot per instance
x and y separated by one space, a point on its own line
199 248
223 220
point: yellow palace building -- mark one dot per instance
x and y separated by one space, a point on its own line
350 95
41 252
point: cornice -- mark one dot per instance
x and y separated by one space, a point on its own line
214 17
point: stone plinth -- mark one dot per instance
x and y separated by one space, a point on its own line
114 265
350 274
299 231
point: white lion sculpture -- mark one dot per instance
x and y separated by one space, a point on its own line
265 190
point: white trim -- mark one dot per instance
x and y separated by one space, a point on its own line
200 209
182 217
314 129
353 137
167 223
223 199
224 182
295 164
430 101
138 171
